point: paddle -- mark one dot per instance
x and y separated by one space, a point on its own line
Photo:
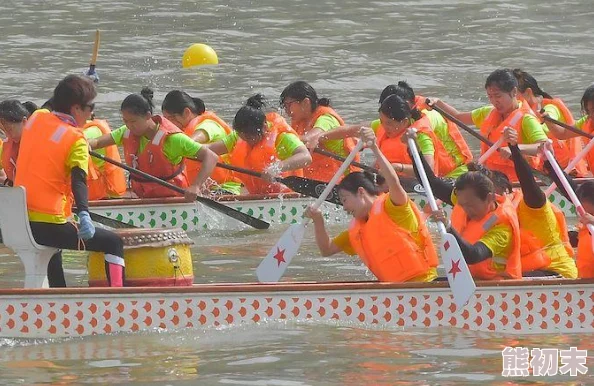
566 126
491 150
459 276
91 72
341 159
244 218
110 222
574 199
273 266
572 164
301 185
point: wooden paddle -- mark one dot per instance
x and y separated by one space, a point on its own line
244 218
272 268
566 126
459 276
574 199
301 185
91 72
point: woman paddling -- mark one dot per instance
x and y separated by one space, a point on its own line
156 146
203 126
387 231
13 117
311 116
53 162
565 150
506 110
543 230
263 142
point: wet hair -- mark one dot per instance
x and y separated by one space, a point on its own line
250 118
355 180
395 107
12 110
481 184
73 90
401 89
30 106
500 180
503 78
587 97
527 81
585 192
177 101
139 104
48 104
299 91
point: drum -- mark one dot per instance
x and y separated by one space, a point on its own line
154 257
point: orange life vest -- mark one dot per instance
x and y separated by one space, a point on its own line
46 137
152 160
472 231
492 128
589 128
389 250
396 151
10 153
193 167
323 168
585 254
533 250
565 150
108 180
420 103
261 155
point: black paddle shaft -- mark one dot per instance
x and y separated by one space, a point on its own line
246 219
567 127
460 124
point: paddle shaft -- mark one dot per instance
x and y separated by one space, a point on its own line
95 49
460 124
342 159
247 219
491 150
572 163
568 127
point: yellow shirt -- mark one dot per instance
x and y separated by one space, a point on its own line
542 222
326 123
405 217
77 157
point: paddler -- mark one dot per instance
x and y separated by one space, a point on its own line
585 123
203 126
310 116
484 223
506 110
156 146
545 246
387 231
263 142
52 164
565 150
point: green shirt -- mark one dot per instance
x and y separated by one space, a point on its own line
581 122
214 132
532 131
93 132
326 123
424 141
286 144
175 148
440 128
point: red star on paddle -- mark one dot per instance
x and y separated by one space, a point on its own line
280 256
455 268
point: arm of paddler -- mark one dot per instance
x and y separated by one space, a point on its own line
77 165
441 189
208 131
397 193
473 253
323 124
292 152
427 149
113 138
179 146
532 135
327 246
464 116
225 145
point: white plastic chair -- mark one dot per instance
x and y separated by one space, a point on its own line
16 234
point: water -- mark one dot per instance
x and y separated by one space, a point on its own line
348 51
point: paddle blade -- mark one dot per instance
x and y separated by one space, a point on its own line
272 268
234 213
459 277
110 222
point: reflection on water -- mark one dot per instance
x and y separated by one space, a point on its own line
349 51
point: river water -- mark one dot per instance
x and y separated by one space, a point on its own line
348 51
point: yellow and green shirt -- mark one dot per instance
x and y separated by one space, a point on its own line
532 131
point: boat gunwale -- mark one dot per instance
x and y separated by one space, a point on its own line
287 287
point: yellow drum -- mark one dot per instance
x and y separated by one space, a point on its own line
154 257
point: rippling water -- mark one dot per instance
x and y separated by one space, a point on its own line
348 51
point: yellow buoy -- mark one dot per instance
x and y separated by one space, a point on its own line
199 54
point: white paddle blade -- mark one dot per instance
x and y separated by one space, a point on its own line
272 268
459 277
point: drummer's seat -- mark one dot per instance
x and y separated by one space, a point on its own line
17 235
